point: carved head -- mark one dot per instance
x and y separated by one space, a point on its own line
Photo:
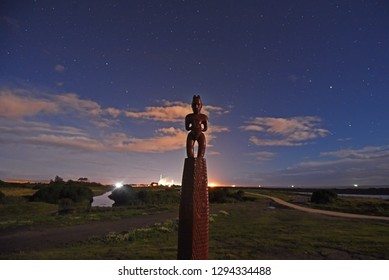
196 104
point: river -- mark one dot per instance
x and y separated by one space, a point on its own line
102 200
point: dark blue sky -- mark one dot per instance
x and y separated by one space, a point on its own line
296 91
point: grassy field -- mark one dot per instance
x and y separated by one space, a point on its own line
17 211
250 230
348 204
243 230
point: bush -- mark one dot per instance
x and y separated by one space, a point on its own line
218 195
323 196
52 193
126 195
65 206
223 195
123 196
164 196
1 196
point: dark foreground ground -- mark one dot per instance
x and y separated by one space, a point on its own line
44 237
261 229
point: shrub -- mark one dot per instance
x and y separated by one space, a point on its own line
1 196
323 196
126 195
218 195
223 195
164 196
65 206
52 193
123 196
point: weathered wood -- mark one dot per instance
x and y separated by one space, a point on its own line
194 211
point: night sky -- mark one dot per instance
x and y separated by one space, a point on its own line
297 92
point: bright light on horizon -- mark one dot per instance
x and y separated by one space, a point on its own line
118 185
211 185
165 182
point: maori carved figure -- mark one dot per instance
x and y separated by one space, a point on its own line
196 123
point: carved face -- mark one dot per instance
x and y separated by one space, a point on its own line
196 104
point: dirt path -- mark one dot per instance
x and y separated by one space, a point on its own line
323 212
43 237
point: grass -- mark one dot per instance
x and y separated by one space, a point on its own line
240 230
348 204
254 231
245 230
369 206
16 192
18 212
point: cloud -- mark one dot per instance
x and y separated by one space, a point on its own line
19 103
59 68
106 134
368 165
253 127
348 156
263 155
270 142
217 129
174 113
293 131
171 111
72 102
64 141
366 153
29 128
166 139
41 134
113 112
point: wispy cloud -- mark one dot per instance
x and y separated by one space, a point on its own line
16 104
165 139
170 111
98 128
369 152
72 102
295 131
367 165
59 68
263 155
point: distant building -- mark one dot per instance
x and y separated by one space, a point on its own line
139 185
154 184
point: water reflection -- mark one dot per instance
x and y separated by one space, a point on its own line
102 200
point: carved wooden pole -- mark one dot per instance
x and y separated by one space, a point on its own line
194 205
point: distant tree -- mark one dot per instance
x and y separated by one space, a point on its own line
323 196
1 196
57 180
83 179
